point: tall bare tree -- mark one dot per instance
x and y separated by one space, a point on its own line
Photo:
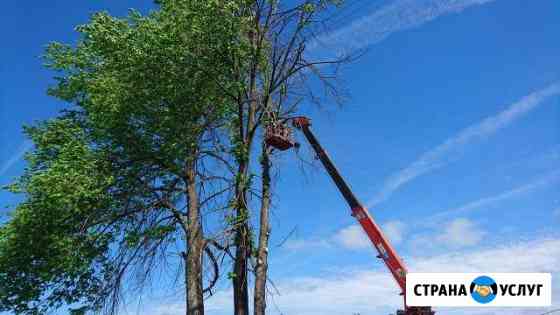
279 76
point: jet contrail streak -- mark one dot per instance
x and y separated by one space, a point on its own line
440 155
18 154
546 180
396 16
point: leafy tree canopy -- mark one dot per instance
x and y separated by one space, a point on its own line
104 183
45 243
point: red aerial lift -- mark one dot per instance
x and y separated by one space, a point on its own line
278 137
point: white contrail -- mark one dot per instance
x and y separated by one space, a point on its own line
491 200
440 155
26 145
396 16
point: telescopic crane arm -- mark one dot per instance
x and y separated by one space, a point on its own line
386 252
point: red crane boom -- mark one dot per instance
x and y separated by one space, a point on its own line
386 252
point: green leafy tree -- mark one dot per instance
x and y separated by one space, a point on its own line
45 242
121 179
166 109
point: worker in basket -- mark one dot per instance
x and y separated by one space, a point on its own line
278 135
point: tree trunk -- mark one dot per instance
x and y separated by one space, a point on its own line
195 243
261 268
240 292
246 133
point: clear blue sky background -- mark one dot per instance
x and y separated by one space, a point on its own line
410 93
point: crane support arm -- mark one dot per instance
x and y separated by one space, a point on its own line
373 231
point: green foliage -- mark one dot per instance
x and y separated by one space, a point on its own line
146 91
308 7
152 84
44 247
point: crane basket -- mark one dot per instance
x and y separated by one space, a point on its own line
279 136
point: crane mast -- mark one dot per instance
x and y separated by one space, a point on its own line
385 251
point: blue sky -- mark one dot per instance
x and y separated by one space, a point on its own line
451 137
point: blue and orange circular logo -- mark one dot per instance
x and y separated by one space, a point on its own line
483 289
